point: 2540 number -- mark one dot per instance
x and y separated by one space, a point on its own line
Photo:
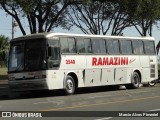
70 61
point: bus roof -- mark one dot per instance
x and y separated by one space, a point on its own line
51 35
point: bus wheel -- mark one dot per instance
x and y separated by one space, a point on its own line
135 81
69 85
152 83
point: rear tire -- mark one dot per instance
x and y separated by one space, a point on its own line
135 81
69 85
152 84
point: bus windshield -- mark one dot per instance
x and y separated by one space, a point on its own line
27 55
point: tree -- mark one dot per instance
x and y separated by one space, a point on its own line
4 46
102 16
120 18
42 15
145 14
98 17
86 17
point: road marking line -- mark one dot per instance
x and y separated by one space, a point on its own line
41 103
140 91
155 110
90 105
99 96
104 118
116 95
58 102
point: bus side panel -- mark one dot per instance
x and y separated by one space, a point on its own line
145 75
92 77
81 77
121 75
55 79
73 62
76 63
145 64
108 76
129 74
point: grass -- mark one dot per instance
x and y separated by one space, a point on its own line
3 73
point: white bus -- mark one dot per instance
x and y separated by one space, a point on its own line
70 61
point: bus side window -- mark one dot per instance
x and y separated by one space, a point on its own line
68 45
137 47
80 45
54 59
64 45
98 46
149 47
126 47
53 53
113 46
87 43
141 48
71 45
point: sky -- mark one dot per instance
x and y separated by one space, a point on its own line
6 29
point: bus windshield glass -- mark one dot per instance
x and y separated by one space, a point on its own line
16 57
29 55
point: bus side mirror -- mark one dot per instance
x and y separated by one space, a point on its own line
49 51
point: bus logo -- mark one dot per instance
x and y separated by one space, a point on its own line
132 60
109 61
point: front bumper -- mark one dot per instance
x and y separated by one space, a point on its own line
25 85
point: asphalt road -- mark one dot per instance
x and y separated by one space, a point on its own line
97 103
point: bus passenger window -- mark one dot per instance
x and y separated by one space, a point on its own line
137 47
64 45
67 45
126 47
113 46
54 59
98 46
88 48
149 47
80 46
141 48
71 45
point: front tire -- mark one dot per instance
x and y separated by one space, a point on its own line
69 85
135 81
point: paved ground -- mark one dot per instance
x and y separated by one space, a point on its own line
92 100
3 88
